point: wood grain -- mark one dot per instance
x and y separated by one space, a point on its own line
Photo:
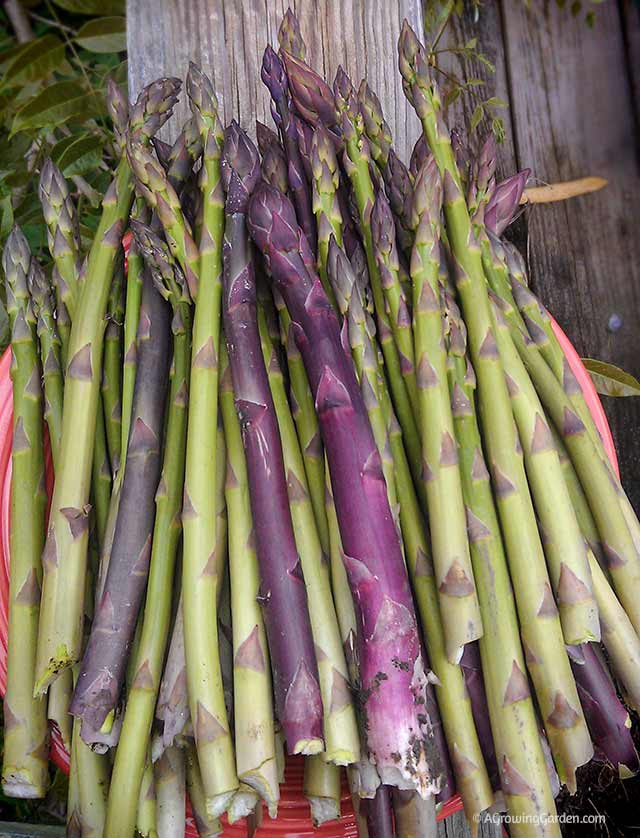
572 114
228 39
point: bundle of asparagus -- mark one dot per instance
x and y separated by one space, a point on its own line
325 482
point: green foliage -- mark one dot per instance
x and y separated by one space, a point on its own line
437 17
52 103
610 380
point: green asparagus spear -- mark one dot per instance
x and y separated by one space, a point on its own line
26 742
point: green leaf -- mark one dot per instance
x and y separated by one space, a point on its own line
55 105
83 154
476 117
476 83
452 96
590 19
610 380
93 7
495 102
575 8
106 34
472 43
497 126
36 61
6 216
484 60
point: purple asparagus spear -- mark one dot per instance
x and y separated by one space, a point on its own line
607 718
105 658
503 205
282 590
399 738
274 76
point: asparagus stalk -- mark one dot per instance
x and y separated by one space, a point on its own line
60 629
102 672
147 817
207 826
26 742
274 76
504 204
521 761
413 817
419 155
322 788
326 205
540 626
356 162
53 387
112 366
290 36
399 185
63 233
618 636
52 382
92 770
274 166
310 94
340 730
145 683
201 568
368 363
397 305
170 783
172 710
607 717
379 814
373 554
282 585
252 688
623 559
452 561
133 296
564 544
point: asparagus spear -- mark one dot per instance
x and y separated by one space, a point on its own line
326 205
521 760
207 826
252 688
275 77
133 297
398 307
147 817
373 554
623 559
170 784
26 742
60 629
375 126
145 684
538 615
454 575
564 544
379 814
340 729
356 162
62 232
274 166
310 94
399 185
606 716
201 568
503 205
53 386
290 37
282 585
453 698
112 366
413 817
101 675
52 382
618 636
322 788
